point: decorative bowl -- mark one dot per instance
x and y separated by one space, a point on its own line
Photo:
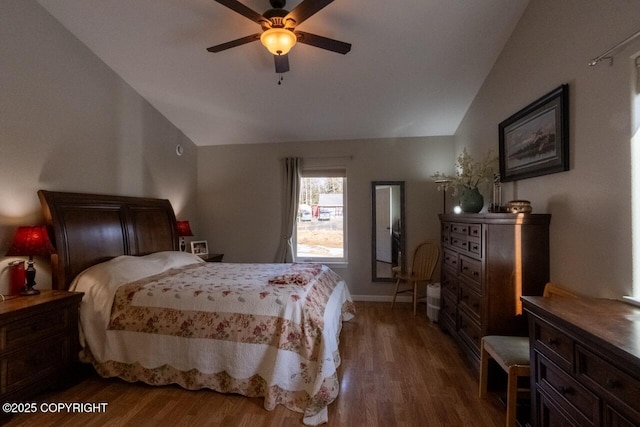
519 206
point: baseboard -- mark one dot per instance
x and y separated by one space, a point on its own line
631 300
380 298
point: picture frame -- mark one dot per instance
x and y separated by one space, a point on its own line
199 247
535 140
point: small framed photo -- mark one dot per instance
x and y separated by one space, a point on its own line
199 247
535 140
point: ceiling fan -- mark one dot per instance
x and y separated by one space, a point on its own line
279 32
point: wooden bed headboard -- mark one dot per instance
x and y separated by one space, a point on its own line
87 229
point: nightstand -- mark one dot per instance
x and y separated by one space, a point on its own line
213 257
38 343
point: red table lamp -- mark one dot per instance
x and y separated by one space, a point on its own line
183 230
31 241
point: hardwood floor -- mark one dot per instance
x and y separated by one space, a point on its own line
397 370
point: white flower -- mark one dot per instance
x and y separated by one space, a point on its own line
469 173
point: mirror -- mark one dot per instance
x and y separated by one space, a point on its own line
388 233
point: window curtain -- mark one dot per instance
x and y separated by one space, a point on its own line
292 171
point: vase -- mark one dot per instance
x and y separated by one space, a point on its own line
471 200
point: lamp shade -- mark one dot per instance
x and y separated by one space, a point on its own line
184 229
278 41
31 241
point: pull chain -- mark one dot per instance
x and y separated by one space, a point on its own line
280 79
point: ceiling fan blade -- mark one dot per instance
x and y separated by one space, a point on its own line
323 42
305 9
243 10
282 63
234 43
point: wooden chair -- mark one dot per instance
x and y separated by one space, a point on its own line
425 259
512 355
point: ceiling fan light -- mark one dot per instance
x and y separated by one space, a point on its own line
278 41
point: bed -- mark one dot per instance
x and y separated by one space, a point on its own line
151 313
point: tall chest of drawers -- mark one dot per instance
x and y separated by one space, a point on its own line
488 262
585 362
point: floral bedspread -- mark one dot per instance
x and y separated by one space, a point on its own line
266 330
231 302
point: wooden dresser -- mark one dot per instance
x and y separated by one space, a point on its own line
488 262
38 342
585 362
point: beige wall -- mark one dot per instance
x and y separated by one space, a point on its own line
590 204
240 199
69 123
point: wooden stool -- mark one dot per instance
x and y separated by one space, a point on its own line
512 354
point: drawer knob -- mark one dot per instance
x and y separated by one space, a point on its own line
552 341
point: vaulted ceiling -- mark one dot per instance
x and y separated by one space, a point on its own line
413 70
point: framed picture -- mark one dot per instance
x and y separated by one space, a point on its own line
535 140
199 247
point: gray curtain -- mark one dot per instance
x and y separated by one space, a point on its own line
292 170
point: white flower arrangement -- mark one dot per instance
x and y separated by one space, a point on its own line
469 173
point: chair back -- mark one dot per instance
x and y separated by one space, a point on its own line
425 259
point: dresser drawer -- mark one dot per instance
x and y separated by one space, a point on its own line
608 380
446 321
446 232
471 268
554 344
460 242
469 332
450 259
579 402
449 306
549 414
615 418
474 247
470 300
460 228
28 367
449 282
32 329
475 230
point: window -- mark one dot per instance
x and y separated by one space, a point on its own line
321 226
